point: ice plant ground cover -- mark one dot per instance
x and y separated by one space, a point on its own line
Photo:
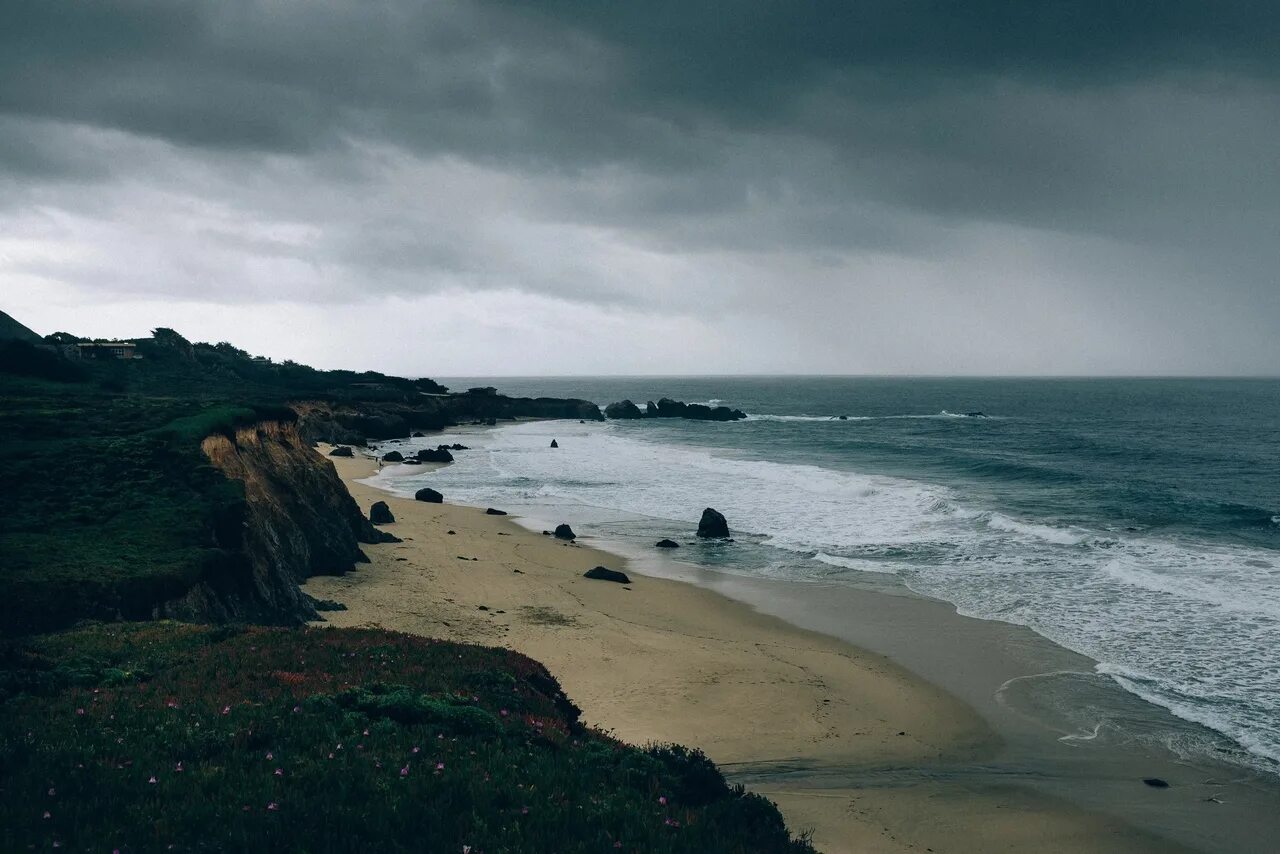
164 736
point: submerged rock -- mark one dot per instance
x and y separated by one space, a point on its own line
438 455
428 495
713 525
1155 782
601 573
341 451
380 513
564 532
554 443
666 544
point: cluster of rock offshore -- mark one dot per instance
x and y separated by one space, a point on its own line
668 408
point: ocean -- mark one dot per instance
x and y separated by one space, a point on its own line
1135 521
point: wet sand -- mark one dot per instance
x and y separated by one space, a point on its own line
850 745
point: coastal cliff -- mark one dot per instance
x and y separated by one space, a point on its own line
296 520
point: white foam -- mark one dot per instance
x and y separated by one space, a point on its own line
1061 536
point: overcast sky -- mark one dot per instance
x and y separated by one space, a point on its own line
555 187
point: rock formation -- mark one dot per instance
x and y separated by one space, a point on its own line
380 513
428 495
668 408
601 573
713 525
296 520
623 409
564 532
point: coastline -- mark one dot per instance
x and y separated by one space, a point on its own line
797 715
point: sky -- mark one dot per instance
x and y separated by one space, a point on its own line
555 187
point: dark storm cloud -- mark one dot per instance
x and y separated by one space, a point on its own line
631 153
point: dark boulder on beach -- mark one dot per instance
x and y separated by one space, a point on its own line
393 457
564 532
623 409
492 512
601 573
666 544
428 495
437 455
380 513
341 451
713 525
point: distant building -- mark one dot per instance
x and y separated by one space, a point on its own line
108 350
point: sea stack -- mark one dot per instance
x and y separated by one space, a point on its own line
713 525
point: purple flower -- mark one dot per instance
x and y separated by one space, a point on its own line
273 806
404 772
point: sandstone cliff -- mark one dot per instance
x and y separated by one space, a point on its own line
297 520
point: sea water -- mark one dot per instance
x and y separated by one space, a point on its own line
1136 521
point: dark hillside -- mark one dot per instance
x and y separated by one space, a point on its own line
112 508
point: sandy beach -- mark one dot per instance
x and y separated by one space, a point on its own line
662 660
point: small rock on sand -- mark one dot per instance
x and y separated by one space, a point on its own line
601 573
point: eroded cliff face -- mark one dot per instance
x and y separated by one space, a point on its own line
297 520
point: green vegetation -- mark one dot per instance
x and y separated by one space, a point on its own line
142 737
158 736
109 506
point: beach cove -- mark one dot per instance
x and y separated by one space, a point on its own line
669 661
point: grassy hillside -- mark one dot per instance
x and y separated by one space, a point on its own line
173 737
109 506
